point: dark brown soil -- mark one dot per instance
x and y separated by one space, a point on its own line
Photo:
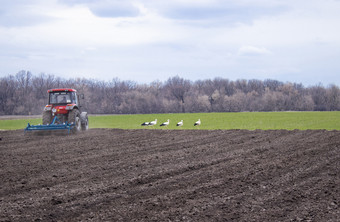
170 175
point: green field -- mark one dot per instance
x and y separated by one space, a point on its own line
17 123
210 121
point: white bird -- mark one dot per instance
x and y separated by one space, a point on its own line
198 122
180 123
153 122
145 124
165 123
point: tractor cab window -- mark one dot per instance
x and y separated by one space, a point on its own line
74 97
60 97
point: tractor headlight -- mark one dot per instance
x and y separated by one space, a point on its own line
48 108
69 106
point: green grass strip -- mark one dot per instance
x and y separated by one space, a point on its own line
15 124
210 121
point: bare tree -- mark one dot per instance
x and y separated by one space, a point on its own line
7 95
319 95
178 87
333 97
271 84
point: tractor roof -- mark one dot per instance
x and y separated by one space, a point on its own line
61 90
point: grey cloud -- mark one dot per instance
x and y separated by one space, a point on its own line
105 8
18 13
21 19
233 13
223 12
79 2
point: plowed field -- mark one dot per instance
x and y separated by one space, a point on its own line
170 175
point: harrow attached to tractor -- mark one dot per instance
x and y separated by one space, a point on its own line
55 125
62 113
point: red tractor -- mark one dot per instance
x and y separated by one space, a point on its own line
63 108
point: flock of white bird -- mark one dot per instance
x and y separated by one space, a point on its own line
180 123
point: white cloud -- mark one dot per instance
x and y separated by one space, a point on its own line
252 51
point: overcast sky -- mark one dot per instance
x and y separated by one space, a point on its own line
147 40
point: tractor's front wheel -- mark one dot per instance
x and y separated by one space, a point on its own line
47 117
74 117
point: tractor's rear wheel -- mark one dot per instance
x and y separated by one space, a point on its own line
47 117
74 117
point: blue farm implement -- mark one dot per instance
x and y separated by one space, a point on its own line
55 125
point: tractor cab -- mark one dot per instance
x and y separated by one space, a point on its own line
61 101
62 97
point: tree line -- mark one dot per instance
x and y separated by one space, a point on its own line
26 94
